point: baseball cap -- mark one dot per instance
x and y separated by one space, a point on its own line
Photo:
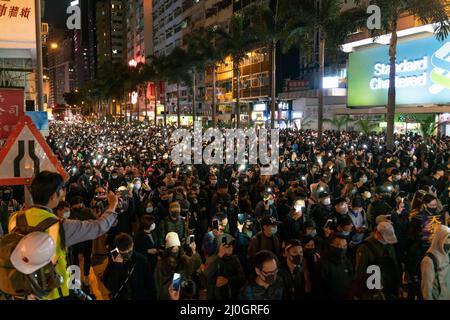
387 231
323 194
269 221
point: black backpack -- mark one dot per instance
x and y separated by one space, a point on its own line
12 282
389 269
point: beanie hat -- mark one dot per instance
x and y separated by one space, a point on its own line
172 240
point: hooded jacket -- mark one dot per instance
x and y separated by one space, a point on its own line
430 288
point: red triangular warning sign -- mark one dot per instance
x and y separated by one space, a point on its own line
25 154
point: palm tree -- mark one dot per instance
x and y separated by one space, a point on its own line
205 52
147 74
163 71
429 11
366 126
112 82
236 42
304 122
338 121
306 19
428 127
268 26
152 73
178 61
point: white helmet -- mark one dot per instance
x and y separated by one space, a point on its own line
33 252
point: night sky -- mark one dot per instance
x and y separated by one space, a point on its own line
55 11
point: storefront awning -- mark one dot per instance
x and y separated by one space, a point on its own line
357 111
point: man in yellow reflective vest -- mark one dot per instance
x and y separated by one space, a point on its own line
47 190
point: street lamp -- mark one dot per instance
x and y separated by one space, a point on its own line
54 45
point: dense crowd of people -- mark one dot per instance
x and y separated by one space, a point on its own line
312 231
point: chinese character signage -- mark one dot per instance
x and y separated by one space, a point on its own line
17 24
422 74
11 108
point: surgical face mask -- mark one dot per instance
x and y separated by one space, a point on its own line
297 260
298 208
270 202
326 201
213 182
345 233
311 233
114 177
66 214
274 230
149 210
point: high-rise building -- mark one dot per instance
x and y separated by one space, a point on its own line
167 25
85 43
167 34
111 31
139 24
139 40
61 69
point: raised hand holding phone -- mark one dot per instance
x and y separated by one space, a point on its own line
176 281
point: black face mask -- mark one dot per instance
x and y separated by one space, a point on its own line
270 279
6 197
309 252
127 256
174 215
432 210
338 253
297 260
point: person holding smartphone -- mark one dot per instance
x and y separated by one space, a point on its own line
223 271
174 260
128 275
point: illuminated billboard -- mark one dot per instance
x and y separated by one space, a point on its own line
17 24
422 74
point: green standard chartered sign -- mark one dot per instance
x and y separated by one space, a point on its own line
422 74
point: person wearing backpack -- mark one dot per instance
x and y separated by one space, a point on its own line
32 258
435 267
47 190
378 250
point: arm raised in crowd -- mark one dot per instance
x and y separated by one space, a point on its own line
78 231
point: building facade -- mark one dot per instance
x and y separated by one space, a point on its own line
111 31
61 65
85 44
